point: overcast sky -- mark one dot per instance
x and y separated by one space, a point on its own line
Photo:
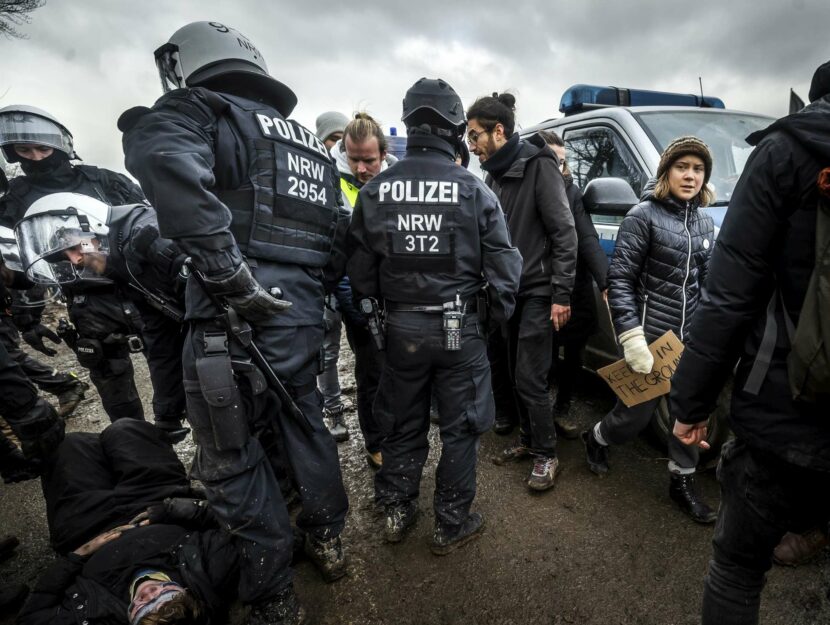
87 61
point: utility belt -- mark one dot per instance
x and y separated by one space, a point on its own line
454 316
90 352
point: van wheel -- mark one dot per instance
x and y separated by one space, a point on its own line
717 434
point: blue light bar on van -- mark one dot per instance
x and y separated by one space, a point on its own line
583 97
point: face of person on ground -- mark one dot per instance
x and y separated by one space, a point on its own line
86 255
332 139
484 143
33 151
686 177
148 591
364 157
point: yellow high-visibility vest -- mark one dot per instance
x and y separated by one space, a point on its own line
349 192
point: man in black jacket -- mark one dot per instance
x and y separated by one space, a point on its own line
426 238
44 148
776 473
531 189
252 198
84 238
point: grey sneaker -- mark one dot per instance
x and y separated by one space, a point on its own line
327 556
544 472
447 539
512 453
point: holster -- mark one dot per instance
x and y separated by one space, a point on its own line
90 352
216 380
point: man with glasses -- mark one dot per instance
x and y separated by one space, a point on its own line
527 181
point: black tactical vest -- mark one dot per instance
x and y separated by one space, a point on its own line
286 211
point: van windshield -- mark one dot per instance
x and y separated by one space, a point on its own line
724 133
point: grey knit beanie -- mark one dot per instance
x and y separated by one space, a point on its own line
330 122
682 146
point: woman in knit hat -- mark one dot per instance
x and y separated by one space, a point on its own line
654 283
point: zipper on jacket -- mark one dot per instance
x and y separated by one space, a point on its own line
688 270
645 308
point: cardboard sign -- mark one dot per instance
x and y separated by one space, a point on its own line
635 388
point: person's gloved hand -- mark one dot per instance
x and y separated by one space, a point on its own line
14 467
144 238
636 351
246 296
34 337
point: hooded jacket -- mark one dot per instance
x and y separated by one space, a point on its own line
659 265
349 185
766 243
532 193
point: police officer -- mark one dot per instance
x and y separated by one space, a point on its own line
83 238
252 198
44 148
426 237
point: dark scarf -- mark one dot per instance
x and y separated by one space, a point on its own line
498 164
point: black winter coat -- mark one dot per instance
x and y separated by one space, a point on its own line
767 240
532 193
95 591
660 262
591 266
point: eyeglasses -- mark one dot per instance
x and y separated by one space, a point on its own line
472 136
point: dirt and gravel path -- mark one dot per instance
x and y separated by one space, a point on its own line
609 551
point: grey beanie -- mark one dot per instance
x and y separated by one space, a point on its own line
330 122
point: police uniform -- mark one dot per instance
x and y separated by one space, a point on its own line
423 232
229 177
98 310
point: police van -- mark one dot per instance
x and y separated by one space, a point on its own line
618 133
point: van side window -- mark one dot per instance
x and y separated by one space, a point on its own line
599 152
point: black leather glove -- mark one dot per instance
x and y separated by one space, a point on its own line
34 337
246 296
144 238
14 467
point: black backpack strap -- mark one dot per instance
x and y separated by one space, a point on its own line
763 358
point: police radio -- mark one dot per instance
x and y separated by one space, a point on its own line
453 321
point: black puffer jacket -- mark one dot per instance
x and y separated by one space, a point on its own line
767 240
659 264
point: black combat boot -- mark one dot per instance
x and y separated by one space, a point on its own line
504 424
281 610
399 519
173 429
327 556
683 490
449 538
596 454
337 419
69 399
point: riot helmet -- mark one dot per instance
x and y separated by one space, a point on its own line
215 56
9 249
64 237
20 123
434 103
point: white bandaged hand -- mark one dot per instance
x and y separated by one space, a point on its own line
636 351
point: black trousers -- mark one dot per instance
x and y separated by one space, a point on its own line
417 365
100 481
368 366
100 316
231 414
523 355
163 344
762 498
44 377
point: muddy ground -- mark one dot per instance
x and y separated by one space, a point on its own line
611 550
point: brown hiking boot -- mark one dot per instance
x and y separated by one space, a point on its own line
70 398
375 459
512 453
795 549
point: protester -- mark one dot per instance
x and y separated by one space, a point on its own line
591 267
360 156
764 282
654 284
531 190
330 126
